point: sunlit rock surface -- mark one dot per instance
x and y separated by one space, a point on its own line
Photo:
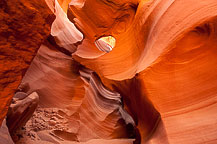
105 43
64 31
156 83
187 100
172 44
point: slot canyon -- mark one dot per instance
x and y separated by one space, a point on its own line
108 72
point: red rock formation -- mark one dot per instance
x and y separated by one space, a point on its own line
24 26
173 46
21 109
5 135
162 65
90 111
182 85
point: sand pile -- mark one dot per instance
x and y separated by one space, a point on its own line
49 126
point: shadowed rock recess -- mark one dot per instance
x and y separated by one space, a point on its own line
108 71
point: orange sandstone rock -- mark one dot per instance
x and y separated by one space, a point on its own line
24 26
163 65
171 45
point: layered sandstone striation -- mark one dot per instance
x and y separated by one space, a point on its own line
154 83
171 46
88 109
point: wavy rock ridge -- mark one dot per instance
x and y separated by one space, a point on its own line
90 111
156 85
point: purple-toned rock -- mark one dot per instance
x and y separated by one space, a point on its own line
21 110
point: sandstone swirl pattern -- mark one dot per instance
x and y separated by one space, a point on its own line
157 85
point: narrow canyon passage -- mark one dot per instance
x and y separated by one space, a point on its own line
77 102
108 72
76 107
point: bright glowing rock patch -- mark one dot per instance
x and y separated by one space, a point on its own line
105 44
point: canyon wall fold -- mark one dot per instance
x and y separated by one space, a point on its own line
89 110
155 83
171 45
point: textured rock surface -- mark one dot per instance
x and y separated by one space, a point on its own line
88 109
64 31
24 25
41 129
162 70
21 110
172 47
187 100
4 134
